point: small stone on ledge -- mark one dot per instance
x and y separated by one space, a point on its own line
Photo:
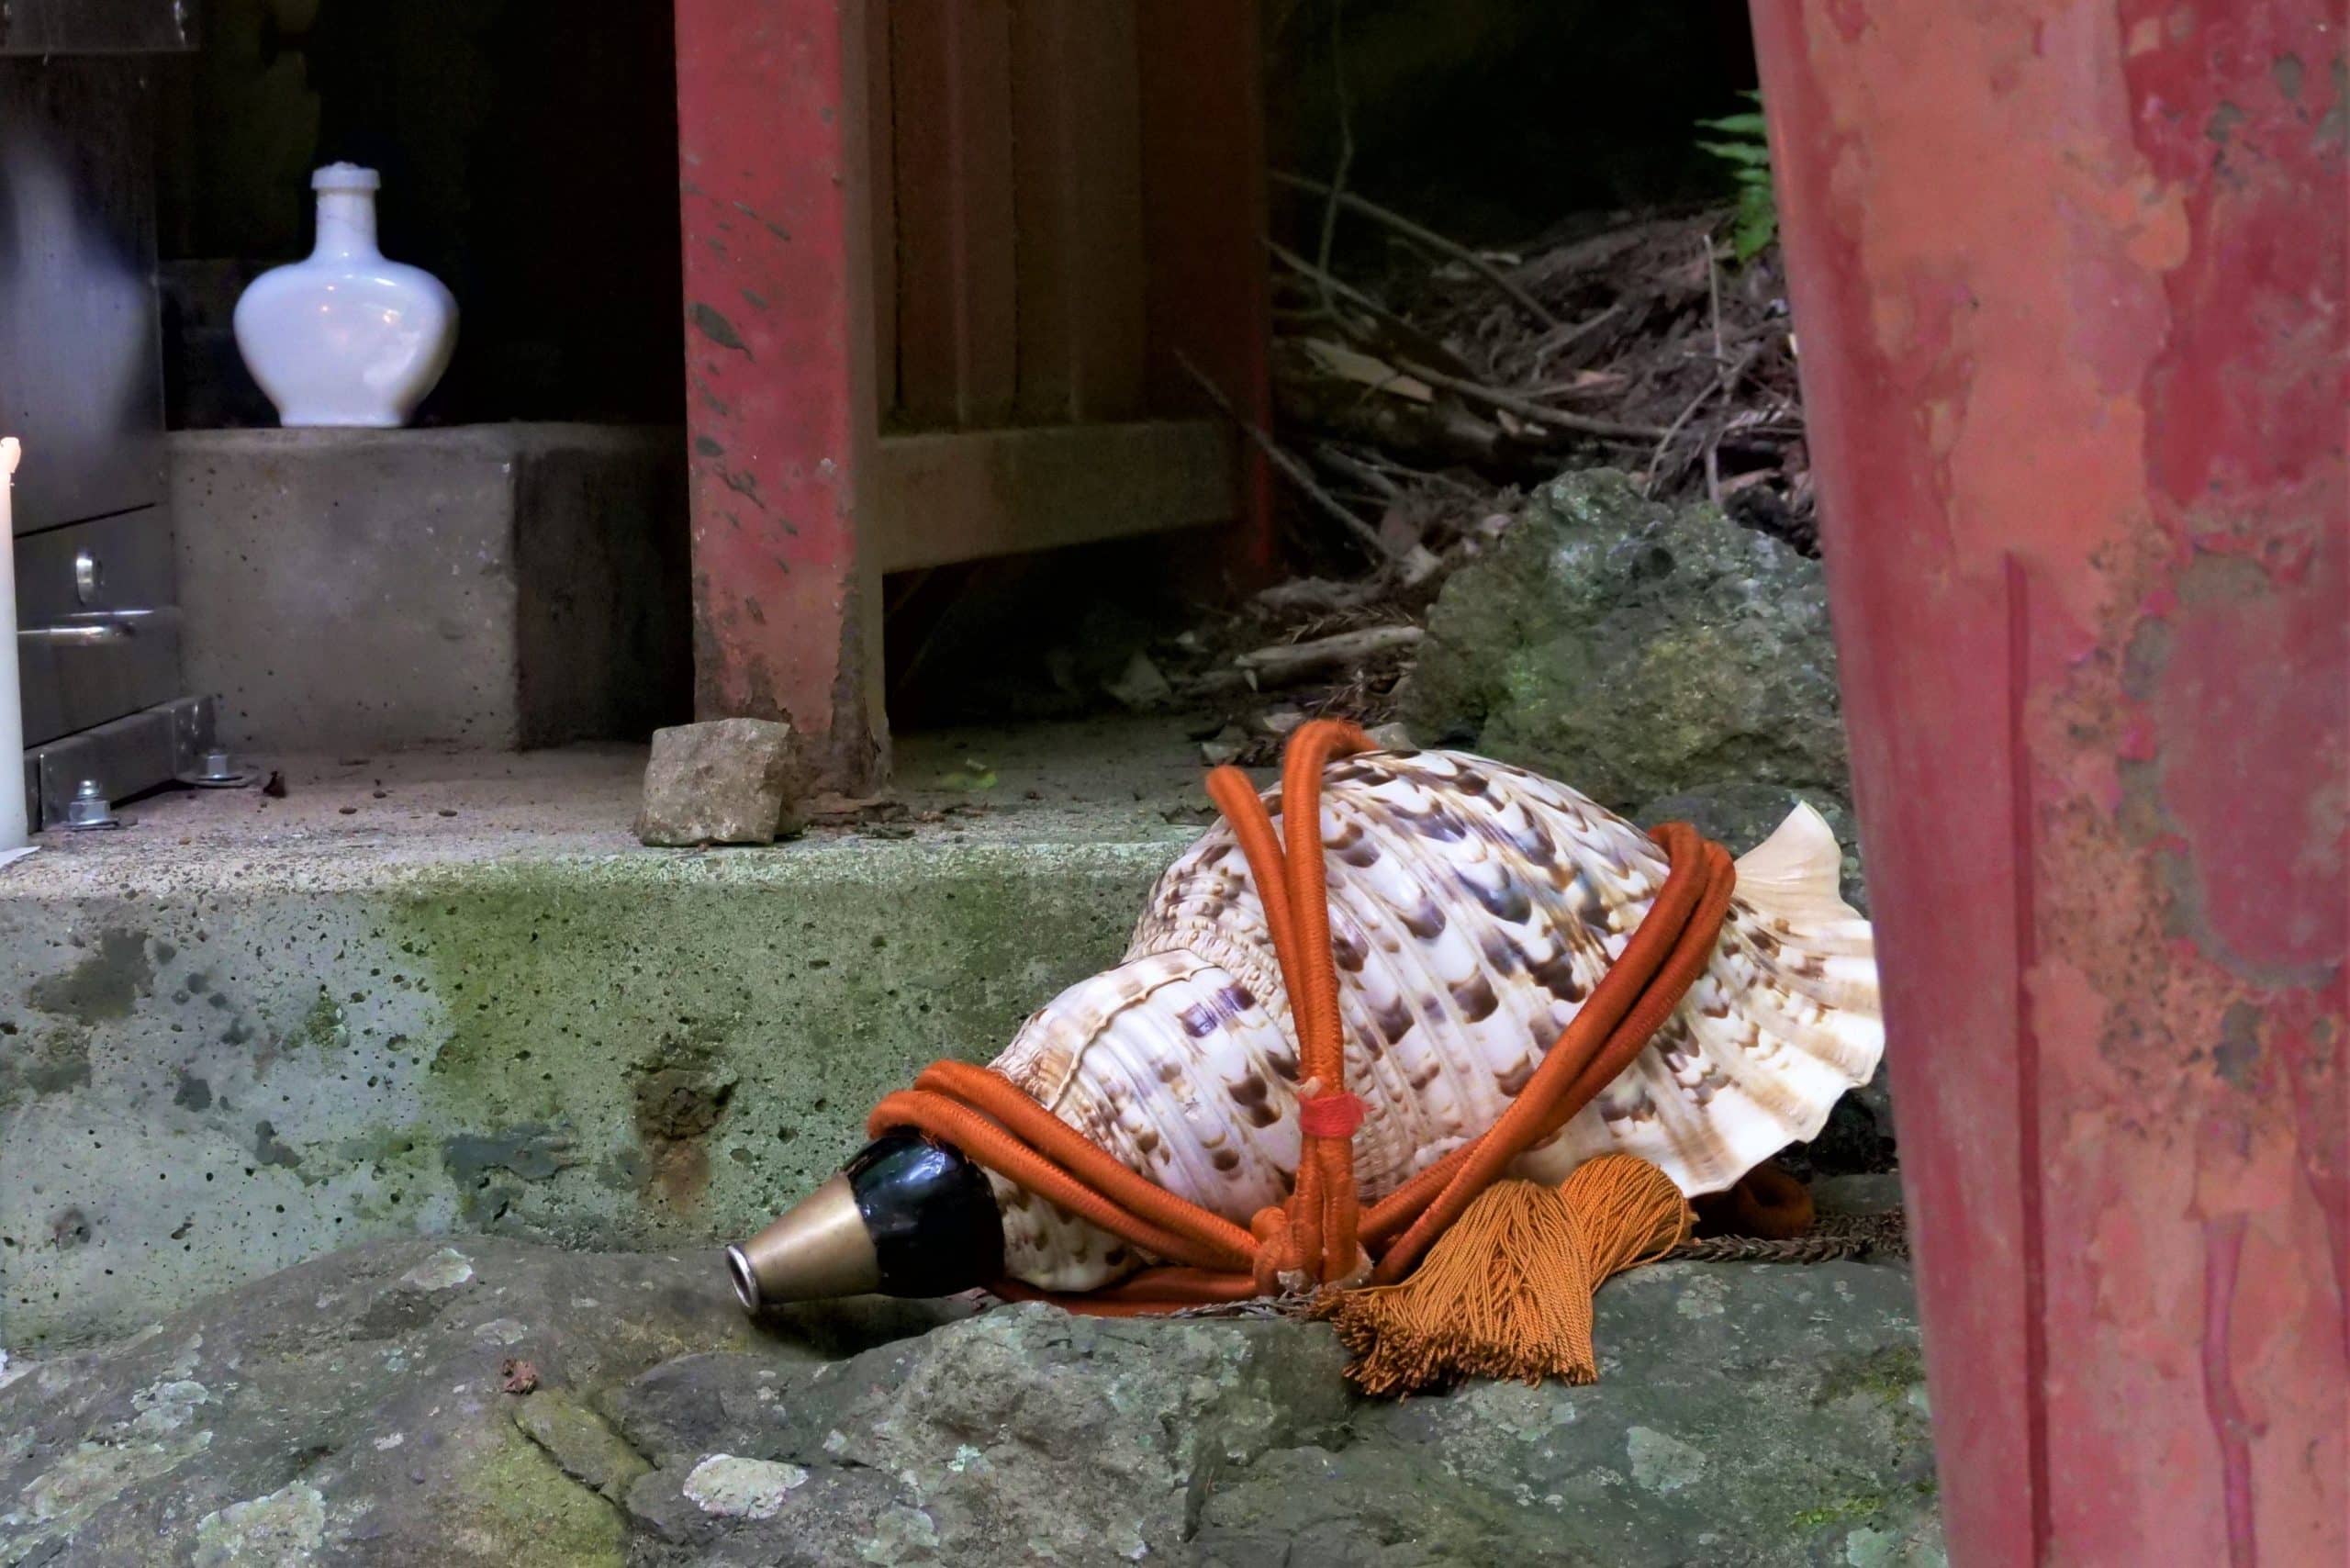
725 781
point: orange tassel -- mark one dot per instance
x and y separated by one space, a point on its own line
1505 1292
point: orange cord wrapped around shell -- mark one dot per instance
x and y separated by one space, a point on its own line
1321 1237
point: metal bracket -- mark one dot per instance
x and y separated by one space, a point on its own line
127 756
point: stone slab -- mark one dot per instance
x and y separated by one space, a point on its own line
356 1410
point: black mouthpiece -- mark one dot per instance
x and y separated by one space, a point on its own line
931 1215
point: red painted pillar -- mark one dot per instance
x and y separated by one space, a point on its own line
2068 287
773 141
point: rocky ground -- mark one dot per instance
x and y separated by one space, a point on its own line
485 1401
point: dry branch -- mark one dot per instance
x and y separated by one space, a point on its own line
1290 661
1428 238
1528 410
1291 467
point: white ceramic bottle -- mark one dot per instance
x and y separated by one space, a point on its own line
346 337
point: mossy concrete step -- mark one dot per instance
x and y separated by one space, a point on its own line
429 994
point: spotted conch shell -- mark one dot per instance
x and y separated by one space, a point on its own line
1473 907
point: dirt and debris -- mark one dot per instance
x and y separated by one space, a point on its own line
1420 396
1635 341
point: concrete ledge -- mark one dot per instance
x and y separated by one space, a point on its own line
485 586
242 1032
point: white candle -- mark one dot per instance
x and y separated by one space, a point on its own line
13 827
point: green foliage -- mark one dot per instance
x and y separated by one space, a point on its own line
1745 152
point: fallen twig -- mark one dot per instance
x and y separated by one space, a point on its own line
1290 468
1354 468
1288 661
1551 344
1721 384
1729 376
1528 410
1317 596
1383 464
1346 150
1412 337
1427 237
1713 293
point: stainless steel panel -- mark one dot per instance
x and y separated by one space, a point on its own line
127 757
81 361
80 671
97 27
123 562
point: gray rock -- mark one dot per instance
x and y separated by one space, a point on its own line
1877 1192
1023 1433
1633 649
725 781
349 1410
1746 1415
580 1443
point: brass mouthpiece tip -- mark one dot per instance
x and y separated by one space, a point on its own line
746 1284
818 1249
910 1217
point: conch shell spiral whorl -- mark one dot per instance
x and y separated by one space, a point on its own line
1473 906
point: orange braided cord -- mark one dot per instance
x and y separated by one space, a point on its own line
1671 948
1252 829
1082 1178
1145 1294
1330 1249
1315 1232
1691 953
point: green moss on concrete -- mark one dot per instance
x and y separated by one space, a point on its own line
396 1169
321 1029
570 995
103 985
227 1060
44 1059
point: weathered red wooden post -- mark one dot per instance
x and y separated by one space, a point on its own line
2068 282
773 143
1202 107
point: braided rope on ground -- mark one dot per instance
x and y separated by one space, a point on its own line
1832 1237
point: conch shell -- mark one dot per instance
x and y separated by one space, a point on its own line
1473 907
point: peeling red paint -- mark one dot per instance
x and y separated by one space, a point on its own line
770 109
2069 279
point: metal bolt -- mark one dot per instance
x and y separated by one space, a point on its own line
218 771
88 808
